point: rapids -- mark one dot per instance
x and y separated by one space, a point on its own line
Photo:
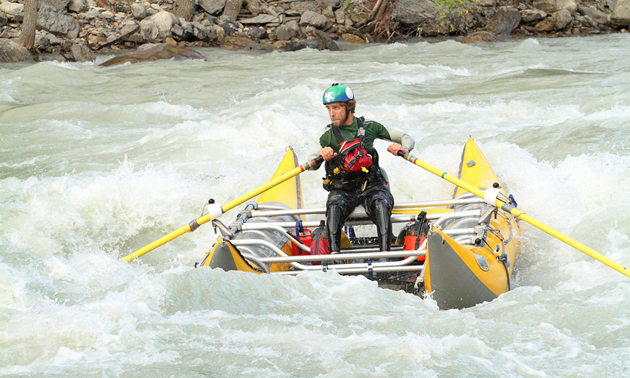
98 162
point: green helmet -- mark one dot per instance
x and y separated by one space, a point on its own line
337 93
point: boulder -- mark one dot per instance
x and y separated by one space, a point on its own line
561 19
316 20
11 8
481 36
212 6
600 17
78 6
155 52
255 7
504 21
299 45
148 30
545 25
229 27
324 41
164 21
258 34
529 16
82 53
200 32
49 19
621 15
3 19
138 11
288 31
414 12
11 52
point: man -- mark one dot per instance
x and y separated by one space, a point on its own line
353 175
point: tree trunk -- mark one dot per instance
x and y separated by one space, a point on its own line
29 25
185 9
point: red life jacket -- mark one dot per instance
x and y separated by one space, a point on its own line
355 157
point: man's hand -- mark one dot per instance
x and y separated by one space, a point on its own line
327 153
394 148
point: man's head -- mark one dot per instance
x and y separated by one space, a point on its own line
340 102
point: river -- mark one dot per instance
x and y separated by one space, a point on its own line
98 162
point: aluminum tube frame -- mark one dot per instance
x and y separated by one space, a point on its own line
360 212
408 268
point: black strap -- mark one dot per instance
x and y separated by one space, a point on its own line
340 139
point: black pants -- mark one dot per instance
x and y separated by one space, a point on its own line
377 202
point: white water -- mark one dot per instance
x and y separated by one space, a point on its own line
98 162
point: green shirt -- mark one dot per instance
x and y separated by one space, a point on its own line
373 131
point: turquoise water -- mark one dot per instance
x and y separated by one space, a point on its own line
98 162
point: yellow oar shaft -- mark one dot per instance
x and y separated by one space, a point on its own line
519 214
228 206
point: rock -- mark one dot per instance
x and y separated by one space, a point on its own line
11 52
229 27
352 38
621 15
552 6
325 41
155 52
596 15
241 42
315 20
3 19
11 8
481 36
82 53
532 15
138 11
255 7
545 25
148 30
107 15
504 21
258 34
340 16
561 19
212 6
78 6
486 3
414 12
217 33
164 21
41 41
299 45
302 6
58 5
200 32
56 22
260 20
288 31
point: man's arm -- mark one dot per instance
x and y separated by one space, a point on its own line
405 140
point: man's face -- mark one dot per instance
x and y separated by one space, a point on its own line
337 113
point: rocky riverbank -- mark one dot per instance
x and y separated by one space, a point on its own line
77 29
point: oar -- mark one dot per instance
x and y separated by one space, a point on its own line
490 196
216 210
